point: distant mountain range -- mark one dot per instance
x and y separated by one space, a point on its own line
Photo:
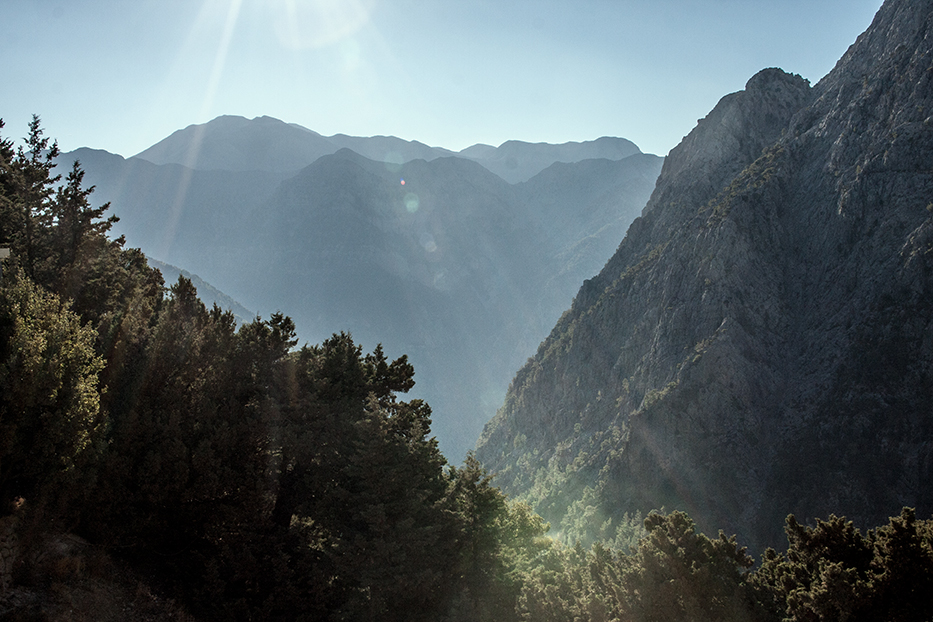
761 343
232 143
462 261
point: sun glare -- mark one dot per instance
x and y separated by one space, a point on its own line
307 24
220 57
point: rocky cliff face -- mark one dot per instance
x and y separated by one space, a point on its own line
762 340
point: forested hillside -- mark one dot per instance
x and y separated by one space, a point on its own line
252 479
158 462
757 352
762 341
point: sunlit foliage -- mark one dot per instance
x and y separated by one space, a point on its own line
256 481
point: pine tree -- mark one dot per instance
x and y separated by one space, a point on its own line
678 574
74 224
832 572
33 188
189 445
8 186
51 425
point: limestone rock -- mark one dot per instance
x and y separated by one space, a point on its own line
762 340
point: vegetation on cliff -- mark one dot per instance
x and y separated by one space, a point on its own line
246 478
761 342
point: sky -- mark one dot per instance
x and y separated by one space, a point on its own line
122 75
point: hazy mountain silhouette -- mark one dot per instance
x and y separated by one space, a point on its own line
517 161
238 144
456 267
235 143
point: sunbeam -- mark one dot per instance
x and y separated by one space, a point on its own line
207 101
307 24
220 58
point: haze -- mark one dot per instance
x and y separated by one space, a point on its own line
122 76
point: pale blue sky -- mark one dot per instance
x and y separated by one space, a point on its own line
121 75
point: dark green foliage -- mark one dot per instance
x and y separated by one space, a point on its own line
8 188
51 426
77 237
60 241
829 572
499 543
833 572
483 509
189 443
825 571
673 574
676 573
559 588
364 483
28 183
259 482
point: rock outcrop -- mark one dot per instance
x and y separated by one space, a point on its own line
762 340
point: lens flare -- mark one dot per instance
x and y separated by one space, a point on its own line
412 202
427 242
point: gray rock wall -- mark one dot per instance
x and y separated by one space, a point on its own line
762 340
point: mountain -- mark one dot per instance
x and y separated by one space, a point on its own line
441 269
761 343
457 268
208 294
584 209
186 217
237 144
233 143
516 161
388 149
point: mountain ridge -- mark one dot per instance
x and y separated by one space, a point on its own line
231 142
760 343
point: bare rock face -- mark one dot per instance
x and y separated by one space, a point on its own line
762 341
731 137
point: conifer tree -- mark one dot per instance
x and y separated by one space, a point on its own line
189 444
677 573
74 224
33 187
831 571
259 482
51 425
8 185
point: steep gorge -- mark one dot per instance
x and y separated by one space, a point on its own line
762 340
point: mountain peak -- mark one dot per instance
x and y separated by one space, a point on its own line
899 32
236 143
264 143
516 161
731 137
759 344
771 78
